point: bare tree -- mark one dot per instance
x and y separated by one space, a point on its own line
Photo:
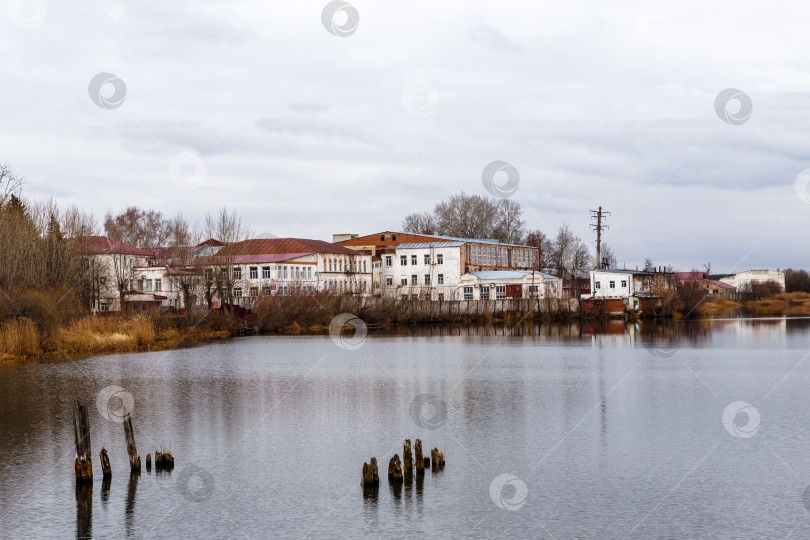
608 258
10 183
509 224
538 239
226 227
138 227
466 216
419 223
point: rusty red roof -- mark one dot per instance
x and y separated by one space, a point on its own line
287 246
97 245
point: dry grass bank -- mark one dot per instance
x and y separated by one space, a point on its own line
20 338
795 304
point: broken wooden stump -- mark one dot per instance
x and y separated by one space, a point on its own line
134 458
407 459
371 475
82 465
437 459
148 462
419 459
426 461
395 470
106 471
164 461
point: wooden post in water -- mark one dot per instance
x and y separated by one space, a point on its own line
148 462
407 460
82 465
106 471
419 459
395 470
371 475
134 458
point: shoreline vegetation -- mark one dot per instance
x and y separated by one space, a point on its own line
33 335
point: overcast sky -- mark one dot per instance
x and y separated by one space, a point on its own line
260 107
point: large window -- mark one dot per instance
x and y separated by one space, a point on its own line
237 272
414 281
468 293
440 279
254 272
254 292
237 292
413 260
265 272
624 283
403 280
389 281
439 259
427 279
403 260
485 293
159 284
500 292
427 258
612 284
597 285
388 261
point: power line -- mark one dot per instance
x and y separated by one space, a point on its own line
599 215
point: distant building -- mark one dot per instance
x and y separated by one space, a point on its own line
431 266
711 287
744 281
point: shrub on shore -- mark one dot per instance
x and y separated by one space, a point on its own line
19 337
103 334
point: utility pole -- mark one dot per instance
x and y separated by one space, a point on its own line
598 227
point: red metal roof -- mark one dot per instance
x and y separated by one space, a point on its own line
278 246
688 275
721 284
96 245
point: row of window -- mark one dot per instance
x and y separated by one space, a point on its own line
500 256
339 286
146 284
281 272
403 280
339 264
612 283
403 260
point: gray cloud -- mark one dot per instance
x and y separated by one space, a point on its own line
307 135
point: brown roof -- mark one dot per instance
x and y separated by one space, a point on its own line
277 246
96 245
402 238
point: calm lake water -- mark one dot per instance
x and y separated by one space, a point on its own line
613 431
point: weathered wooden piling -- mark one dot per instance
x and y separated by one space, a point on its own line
164 461
148 462
134 458
395 470
371 475
419 459
427 462
407 459
437 459
82 465
106 471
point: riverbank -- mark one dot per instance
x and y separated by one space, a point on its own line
794 304
20 338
